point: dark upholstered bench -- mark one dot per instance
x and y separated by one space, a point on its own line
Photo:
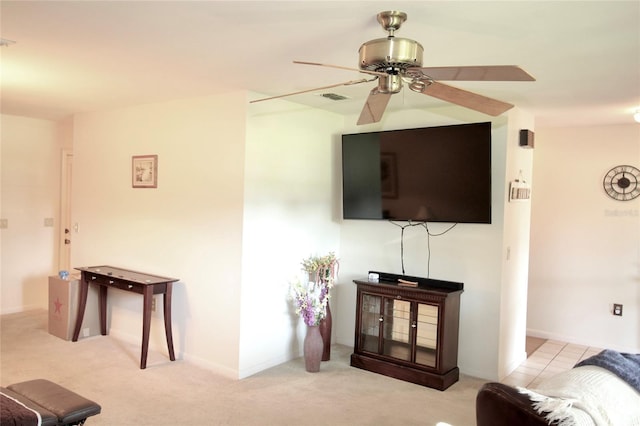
55 404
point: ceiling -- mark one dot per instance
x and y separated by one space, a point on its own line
77 56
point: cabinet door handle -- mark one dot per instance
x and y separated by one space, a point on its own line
130 286
110 282
93 278
380 319
413 325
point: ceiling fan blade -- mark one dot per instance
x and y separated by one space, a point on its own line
374 107
477 73
346 83
342 68
466 99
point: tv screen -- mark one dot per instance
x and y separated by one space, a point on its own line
431 174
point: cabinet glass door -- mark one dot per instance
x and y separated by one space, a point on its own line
370 323
426 334
397 329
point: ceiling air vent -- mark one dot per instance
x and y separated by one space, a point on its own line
333 96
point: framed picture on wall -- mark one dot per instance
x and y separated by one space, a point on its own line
144 171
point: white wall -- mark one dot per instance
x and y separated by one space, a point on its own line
225 175
190 227
240 201
585 247
472 254
515 250
30 172
266 202
290 184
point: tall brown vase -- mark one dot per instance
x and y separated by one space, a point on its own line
325 332
312 349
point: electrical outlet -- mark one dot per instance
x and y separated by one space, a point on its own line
617 309
153 304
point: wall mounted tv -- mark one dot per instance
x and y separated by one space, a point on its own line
431 174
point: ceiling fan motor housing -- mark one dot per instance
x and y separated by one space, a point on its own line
391 55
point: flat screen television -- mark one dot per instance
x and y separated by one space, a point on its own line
430 174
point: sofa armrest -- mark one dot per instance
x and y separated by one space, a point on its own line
498 404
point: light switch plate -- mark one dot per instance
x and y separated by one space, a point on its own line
617 309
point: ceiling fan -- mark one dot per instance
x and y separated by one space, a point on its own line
393 61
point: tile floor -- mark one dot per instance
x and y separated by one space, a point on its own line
551 358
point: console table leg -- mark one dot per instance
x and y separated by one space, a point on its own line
167 321
146 324
102 309
82 303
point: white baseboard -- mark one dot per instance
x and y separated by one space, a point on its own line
22 308
515 364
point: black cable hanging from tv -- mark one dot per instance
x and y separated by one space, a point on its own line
429 235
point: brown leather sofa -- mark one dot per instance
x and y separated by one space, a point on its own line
602 389
55 405
498 404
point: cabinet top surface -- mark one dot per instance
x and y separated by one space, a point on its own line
395 285
126 274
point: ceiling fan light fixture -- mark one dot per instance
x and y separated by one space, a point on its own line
390 84
418 85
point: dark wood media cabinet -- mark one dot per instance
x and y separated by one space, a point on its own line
409 333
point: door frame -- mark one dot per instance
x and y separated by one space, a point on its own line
64 248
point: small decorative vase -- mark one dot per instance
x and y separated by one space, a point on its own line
312 349
325 332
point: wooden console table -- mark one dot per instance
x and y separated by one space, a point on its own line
136 282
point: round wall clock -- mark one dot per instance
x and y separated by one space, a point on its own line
622 183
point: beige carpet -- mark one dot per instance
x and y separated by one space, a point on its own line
177 393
